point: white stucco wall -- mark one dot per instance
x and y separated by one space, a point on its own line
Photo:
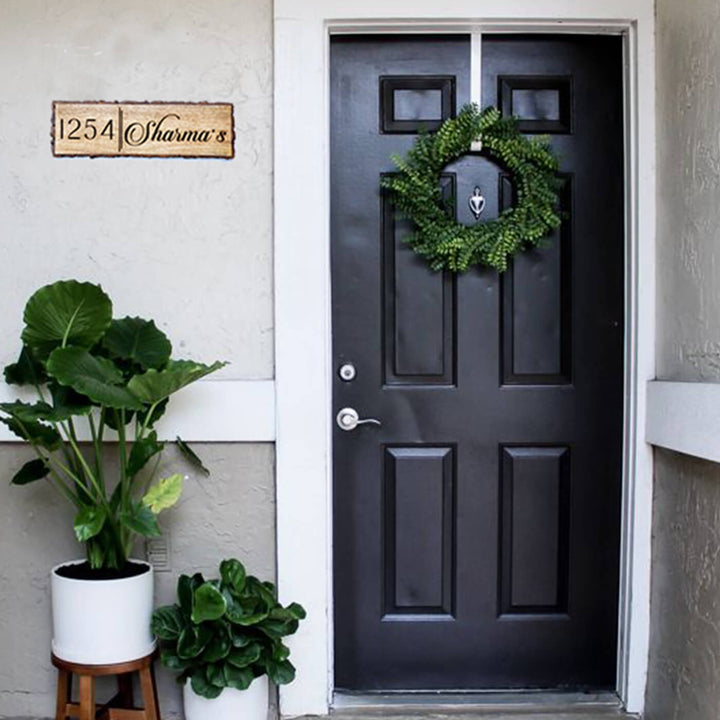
186 242
683 679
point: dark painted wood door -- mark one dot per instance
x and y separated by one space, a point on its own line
476 531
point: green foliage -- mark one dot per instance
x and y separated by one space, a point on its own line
65 313
31 471
449 245
87 367
226 632
154 386
164 493
137 341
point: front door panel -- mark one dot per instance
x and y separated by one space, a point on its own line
476 531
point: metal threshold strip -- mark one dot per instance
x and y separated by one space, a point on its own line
478 704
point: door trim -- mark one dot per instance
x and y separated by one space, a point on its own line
303 302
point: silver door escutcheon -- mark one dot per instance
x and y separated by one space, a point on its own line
348 419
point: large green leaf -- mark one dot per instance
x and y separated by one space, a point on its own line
234 611
138 341
238 678
155 385
34 432
89 522
280 652
242 657
41 411
246 610
214 673
277 629
167 622
26 371
264 591
164 493
297 611
192 641
248 619
233 574
67 402
172 661
30 472
142 451
219 646
240 638
201 685
186 587
281 673
208 603
141 520
25 412
93 376
67 312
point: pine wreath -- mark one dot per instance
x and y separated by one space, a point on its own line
438 237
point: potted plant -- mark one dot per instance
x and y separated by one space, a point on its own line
105 374
225 638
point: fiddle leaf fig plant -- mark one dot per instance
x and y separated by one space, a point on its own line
87 367
226 632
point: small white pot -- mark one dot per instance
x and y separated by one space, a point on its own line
102 622
231 704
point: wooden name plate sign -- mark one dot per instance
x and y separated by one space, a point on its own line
103 129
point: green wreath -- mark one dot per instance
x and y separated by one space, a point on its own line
438 237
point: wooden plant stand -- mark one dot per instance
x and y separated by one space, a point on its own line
121 706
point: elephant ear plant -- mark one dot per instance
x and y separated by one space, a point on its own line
87 367
225 633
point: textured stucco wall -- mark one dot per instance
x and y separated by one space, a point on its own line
187 242
684 678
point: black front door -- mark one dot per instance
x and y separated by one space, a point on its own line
476 531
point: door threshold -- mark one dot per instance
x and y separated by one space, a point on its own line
472 703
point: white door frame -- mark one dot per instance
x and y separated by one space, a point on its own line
302 299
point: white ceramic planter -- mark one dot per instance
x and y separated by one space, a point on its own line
102 622
231 704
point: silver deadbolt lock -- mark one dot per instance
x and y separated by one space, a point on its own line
348 419
347 372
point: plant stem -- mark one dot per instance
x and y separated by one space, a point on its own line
98 452
124 489
152 475
148 417
70 458
88 472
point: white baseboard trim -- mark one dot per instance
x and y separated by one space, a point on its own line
209 411
685 417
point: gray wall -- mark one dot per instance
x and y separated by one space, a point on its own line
229 514
187 242
684 678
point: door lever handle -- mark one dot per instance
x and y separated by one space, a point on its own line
348 419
